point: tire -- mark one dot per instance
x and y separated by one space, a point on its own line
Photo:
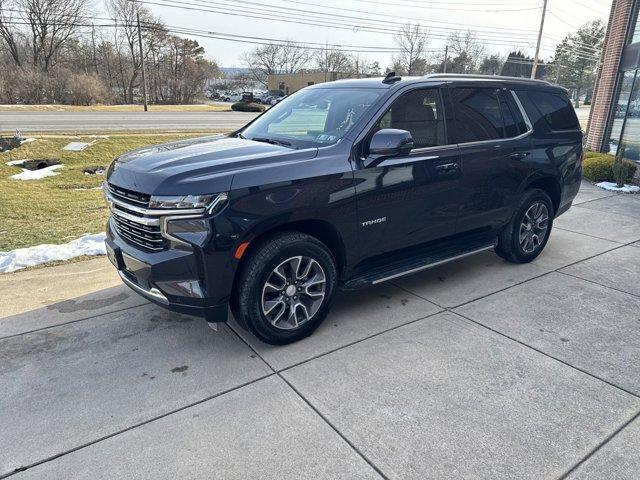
528 221
272 309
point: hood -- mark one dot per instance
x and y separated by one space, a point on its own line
196 166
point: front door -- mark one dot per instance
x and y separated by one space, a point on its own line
412 199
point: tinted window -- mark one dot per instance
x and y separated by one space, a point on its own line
554 108
477 115
418 112
511 124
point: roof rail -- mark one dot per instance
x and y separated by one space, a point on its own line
485 77
391 78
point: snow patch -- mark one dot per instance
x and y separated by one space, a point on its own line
15 163
88 244
612 187
36 174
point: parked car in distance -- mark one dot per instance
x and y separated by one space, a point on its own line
233 97
344 184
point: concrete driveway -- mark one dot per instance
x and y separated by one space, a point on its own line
477 369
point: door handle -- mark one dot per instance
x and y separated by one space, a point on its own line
519 155
446 167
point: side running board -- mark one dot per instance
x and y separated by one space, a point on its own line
414 265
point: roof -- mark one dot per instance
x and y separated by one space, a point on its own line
439 77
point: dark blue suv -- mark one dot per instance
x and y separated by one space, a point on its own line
342 185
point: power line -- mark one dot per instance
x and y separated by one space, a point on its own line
430 7
383 20
301 21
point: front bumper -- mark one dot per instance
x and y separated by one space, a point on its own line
173 278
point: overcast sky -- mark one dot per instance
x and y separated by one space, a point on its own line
503 25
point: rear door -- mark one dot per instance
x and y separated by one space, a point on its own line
412 199
494 146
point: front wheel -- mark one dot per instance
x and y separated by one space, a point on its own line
524 238
286 288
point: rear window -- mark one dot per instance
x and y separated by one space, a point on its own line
476 115
553 108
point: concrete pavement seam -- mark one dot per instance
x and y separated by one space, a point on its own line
131 427
71 321
599 446
313 408
572 275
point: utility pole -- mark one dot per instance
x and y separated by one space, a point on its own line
534 68
93 44
446 58
144 79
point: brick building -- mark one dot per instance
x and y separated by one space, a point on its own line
614 122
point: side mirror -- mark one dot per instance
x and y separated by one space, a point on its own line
388 143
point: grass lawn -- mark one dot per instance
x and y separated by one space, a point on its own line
115 108
60 208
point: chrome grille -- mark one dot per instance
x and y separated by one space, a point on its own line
129 196
135 231
133 225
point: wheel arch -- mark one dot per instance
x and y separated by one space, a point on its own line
550 185
319 229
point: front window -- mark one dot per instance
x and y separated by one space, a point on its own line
313 118
420 113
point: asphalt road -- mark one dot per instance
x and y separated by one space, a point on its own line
477 369
118 121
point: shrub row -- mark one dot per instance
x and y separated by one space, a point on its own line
598 167
31 86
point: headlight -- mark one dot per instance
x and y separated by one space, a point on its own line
212 202
180 201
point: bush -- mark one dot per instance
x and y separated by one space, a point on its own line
591 154
598 167
247 107
85 90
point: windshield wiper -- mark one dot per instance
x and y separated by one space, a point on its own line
272 141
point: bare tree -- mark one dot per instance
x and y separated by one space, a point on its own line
466 51
329 60
412 41
7 31
125 13
271 58
51 24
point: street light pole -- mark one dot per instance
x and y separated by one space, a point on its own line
144 79
534 68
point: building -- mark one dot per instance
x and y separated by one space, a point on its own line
292 82
614 121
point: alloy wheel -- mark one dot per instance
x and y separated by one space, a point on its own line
534 226
293 292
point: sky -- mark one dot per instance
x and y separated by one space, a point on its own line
504 25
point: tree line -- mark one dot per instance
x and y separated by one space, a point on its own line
57 51
574 64
51 52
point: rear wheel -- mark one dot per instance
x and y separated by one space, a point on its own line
286 288
528 232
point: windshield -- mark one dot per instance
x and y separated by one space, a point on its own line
312 118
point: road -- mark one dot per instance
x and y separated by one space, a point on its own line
118 121
475 369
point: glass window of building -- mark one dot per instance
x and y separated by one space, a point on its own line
630 142
620 109
633 36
